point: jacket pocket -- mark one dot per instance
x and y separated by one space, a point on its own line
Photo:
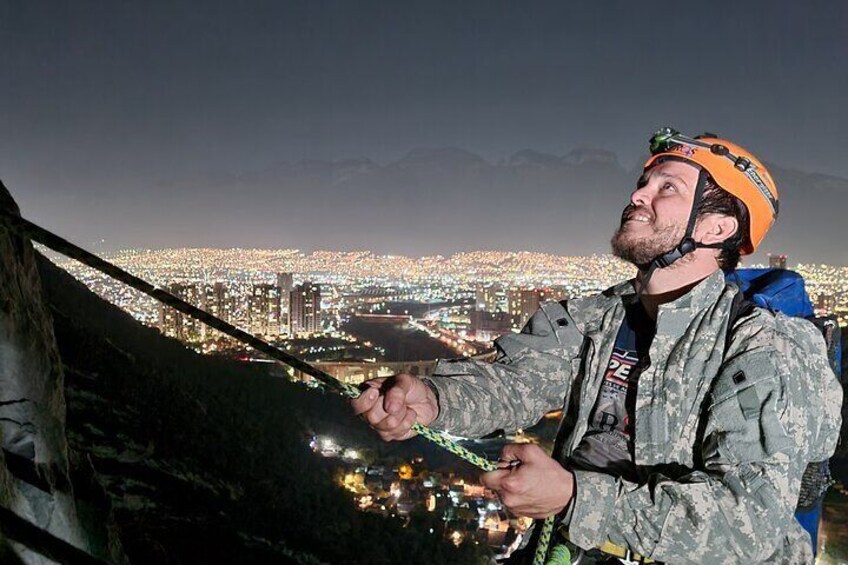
746 424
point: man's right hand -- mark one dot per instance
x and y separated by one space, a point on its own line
392 404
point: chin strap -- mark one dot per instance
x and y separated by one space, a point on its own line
687 244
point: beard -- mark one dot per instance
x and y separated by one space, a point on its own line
642 249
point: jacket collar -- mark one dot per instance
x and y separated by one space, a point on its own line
699 297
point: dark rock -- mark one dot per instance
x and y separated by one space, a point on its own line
35 480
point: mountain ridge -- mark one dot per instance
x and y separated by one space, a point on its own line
440 200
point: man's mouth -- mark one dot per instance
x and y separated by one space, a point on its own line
639 217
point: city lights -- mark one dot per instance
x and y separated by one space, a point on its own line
312 304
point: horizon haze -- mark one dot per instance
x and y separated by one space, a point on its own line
263 124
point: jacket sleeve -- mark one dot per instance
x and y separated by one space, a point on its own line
530 376
767 416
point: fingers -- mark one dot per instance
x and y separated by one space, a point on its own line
388 423
393 427
537 487
384 405
513 452
493 479
504 478
396 396
524 452
405 427
507 483
366 400
511 477
369 404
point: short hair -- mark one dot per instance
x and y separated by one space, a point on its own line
716 200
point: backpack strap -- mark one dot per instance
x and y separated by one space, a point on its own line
829 328
739 308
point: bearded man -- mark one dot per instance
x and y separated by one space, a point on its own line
683 440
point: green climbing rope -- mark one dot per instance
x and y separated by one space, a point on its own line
560 555
544 542
438 438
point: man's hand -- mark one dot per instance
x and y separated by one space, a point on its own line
538 487
391 405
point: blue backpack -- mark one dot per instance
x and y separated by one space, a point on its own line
781 290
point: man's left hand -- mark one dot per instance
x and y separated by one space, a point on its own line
538 487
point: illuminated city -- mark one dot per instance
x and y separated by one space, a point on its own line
342 312
363 282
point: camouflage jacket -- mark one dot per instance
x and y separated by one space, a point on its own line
723 439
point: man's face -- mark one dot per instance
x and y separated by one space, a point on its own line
655 220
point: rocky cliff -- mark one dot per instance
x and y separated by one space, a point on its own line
36 466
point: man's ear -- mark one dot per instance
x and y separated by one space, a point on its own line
716 228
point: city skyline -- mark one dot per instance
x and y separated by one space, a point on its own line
424 279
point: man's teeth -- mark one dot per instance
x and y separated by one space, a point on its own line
640 218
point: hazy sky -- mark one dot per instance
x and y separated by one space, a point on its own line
104 101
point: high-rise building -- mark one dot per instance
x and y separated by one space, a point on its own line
284 283
216 300
777 261
305 304
169 321
176 324
488 298
489 325
522 304
263 312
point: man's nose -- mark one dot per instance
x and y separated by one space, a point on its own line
640 197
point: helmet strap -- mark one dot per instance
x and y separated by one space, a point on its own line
687 244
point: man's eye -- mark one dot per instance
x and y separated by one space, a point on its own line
669 186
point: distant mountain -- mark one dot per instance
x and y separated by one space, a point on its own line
589 156
444 199
531 158
432 160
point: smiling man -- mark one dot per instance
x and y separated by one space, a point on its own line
683 439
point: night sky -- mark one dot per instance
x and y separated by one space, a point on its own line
151 124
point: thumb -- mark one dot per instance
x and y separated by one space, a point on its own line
493 479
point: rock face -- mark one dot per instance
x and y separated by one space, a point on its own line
35 473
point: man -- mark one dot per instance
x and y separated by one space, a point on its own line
683 440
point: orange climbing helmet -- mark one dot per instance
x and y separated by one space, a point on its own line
735 170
